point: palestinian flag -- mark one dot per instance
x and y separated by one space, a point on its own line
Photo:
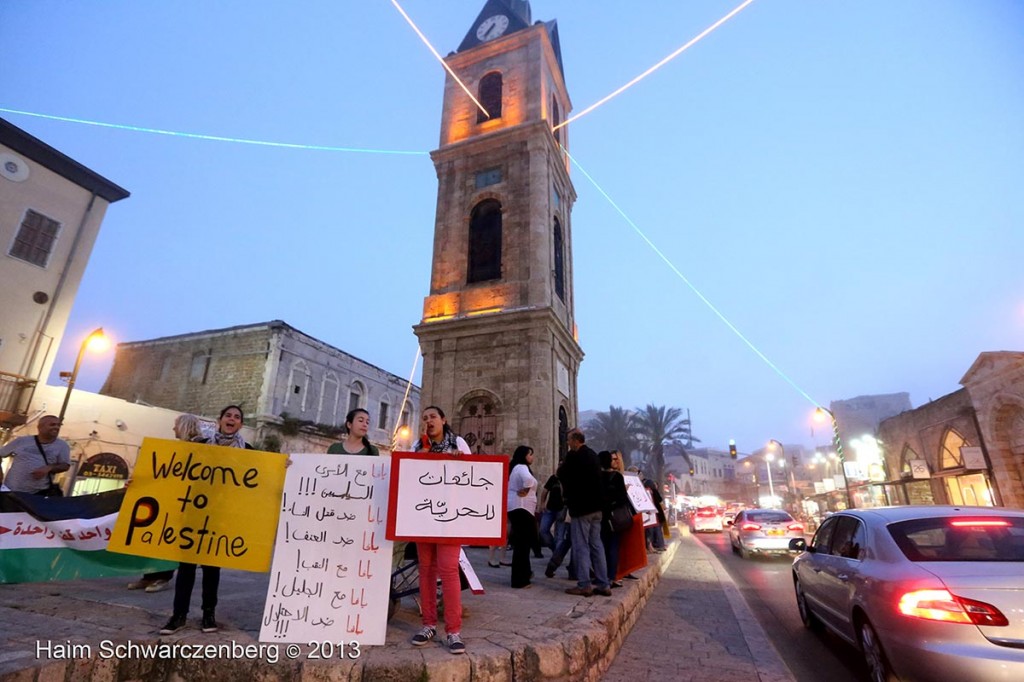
43 539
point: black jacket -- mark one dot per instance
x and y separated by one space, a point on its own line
582 489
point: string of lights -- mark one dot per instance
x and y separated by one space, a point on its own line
215 138
438 57
704 299
739 8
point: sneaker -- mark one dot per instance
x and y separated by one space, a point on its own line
603 591
616 583
157 586
580 591
176 623
208 623
455 644
549 572
139 584
425 635
630 576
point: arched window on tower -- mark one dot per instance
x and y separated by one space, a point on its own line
559 261
556 119
484 242
489 96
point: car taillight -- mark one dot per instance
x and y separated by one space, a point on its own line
979 523
750 526
944 606
796 526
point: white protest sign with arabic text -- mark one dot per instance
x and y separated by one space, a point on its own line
330 579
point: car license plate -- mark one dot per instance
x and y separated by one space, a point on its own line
776 531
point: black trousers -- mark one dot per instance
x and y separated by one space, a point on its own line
524 535
187 580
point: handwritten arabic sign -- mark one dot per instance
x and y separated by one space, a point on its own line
638 494
448 499
331 575
202 504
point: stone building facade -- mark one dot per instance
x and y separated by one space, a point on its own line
498 338
966 447
291 386
51 208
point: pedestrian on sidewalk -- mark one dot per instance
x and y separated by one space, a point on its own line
614 496
436 558
580 474
227 435
521 505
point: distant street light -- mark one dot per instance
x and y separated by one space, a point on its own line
820 414
97 341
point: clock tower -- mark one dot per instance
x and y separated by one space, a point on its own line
498 334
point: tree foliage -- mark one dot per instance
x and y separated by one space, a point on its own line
656 425
613 430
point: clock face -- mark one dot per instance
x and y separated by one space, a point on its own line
492 27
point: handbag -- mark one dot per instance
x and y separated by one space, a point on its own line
620 518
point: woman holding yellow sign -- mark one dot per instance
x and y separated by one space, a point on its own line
226 435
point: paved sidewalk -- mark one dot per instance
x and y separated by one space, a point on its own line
539 633
696 626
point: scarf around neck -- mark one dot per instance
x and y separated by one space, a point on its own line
446 444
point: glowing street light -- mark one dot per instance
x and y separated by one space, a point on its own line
97 342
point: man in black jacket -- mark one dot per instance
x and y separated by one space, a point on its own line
580 474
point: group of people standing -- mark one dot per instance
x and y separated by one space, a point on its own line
575 507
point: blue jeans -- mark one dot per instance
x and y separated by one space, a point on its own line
552 520
588 551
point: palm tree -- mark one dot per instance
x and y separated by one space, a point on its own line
654 426
613 430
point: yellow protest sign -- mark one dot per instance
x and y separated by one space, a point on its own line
202 504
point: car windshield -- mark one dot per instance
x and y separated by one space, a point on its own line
957 538
769 517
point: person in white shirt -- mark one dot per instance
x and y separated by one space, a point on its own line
522 504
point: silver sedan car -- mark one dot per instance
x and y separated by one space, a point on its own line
926 593
763 531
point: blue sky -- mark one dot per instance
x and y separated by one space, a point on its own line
842 180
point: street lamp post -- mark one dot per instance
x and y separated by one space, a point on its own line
819 414
95 341
768 457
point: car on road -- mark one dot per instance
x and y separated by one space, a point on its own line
706 519
925 592
764 531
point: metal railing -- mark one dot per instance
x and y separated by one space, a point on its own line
15 395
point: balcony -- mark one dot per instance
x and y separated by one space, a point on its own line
15 395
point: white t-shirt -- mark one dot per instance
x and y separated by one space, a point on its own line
522 478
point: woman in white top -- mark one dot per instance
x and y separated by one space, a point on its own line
522 503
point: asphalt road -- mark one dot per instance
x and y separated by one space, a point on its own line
767 586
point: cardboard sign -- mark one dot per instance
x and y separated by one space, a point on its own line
638 493
201 504
632 549
450 499
331 576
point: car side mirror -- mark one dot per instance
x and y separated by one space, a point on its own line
798 545
729 523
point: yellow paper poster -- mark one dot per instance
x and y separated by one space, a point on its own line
202 504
